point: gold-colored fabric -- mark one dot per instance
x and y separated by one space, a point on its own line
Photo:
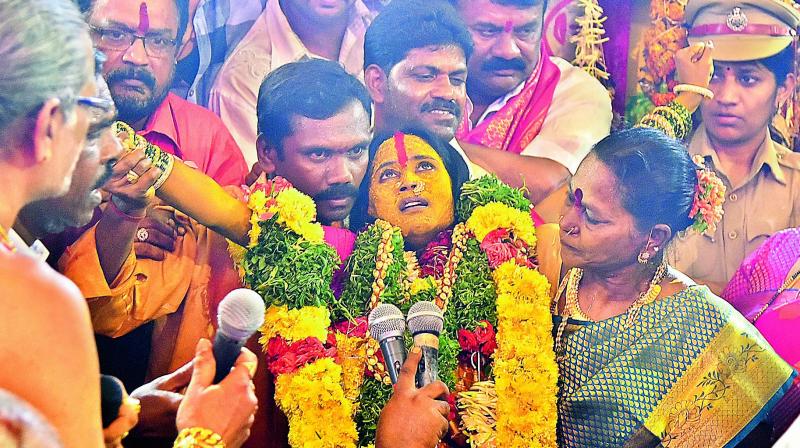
766 202
177 293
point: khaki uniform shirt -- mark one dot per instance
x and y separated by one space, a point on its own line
766 202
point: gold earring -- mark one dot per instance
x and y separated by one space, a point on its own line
643 258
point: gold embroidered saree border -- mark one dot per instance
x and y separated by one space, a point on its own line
722 392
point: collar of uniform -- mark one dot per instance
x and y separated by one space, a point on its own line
767 155
162 121
287 46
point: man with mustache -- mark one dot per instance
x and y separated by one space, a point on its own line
533 117
140 39
315 132
753 78
415 68
94 168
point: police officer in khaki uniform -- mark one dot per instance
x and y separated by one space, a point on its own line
753 76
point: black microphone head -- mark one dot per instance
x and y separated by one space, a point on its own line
240 314
425 317
386 321
110 398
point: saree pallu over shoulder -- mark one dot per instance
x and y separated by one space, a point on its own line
690 372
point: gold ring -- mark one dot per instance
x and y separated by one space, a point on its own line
132 177
125 435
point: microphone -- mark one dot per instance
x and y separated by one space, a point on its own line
110 399
425 323
240 314
387 325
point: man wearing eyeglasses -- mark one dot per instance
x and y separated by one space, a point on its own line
140 39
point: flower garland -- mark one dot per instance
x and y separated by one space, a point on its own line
505 381
708 199
287 262
589 41
330 376
656 52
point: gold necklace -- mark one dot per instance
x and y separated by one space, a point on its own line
573 309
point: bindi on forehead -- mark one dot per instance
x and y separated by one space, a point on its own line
144 19
400 148
509 26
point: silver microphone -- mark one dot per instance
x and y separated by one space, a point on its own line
387 325
239 315
425 323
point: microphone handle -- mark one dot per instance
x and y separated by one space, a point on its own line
428 369
394 355
226 350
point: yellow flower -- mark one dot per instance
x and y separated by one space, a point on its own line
295 324
254 232
314 402
496 215
312 232
236 252
257 202
422 284
294 209
525 368
351 353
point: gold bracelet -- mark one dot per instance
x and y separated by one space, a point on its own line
166 170
659 122
198 438
702 91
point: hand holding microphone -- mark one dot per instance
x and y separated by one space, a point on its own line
413 417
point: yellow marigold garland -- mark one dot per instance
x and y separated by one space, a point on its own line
295 324
314 402
525 369
496 215
350 354
297 211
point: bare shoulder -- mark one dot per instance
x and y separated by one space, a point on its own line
33 294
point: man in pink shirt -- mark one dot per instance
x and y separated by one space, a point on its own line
141 40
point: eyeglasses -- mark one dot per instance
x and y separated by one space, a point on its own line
154 45
99 108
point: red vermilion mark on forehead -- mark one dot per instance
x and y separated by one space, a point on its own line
144 19
400 147
578 197
509 26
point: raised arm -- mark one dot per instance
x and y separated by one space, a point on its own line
197 195
191 191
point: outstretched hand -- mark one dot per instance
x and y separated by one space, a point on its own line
413 418
226 408
160 400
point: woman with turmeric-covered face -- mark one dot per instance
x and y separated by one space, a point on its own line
411 184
